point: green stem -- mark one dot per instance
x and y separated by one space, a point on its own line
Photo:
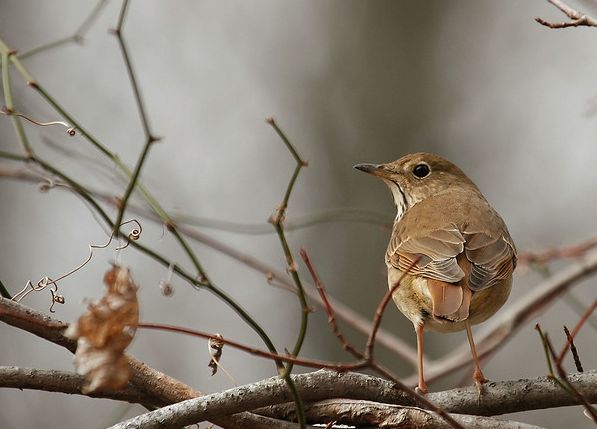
333 215
149 138
16 121
277 220
48 46
187 248
77 37
122 15
4 292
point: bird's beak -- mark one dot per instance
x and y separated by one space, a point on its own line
373 169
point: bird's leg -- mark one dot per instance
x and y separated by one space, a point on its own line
478 376
422 387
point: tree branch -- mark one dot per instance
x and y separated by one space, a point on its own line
499 398
360 412
50 380
578 19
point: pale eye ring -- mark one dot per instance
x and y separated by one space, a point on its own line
421 170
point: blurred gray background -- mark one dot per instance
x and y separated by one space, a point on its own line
512 103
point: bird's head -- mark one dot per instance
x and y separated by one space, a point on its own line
418 176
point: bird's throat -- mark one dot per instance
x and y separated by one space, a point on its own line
399 198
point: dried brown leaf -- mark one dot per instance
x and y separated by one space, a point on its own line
105 331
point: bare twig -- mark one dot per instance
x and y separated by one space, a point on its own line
291 359
328 308
578 19
76 37
573 350
380 310
576 330
149 137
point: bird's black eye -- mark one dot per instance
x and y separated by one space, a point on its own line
421 170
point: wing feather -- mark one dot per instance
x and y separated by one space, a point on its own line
492 258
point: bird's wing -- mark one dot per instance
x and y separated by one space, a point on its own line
493 259
436 251
454 262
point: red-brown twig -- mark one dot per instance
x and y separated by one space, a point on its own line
380 310
578 19
575 331
310 363
328 307
573 350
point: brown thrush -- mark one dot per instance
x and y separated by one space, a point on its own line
458 248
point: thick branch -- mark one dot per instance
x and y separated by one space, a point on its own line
499 398
51 380
359 412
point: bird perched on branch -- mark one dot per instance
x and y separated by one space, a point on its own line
449 249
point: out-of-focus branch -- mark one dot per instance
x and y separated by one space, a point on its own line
499 398
514 317
76 37
578 19
375 414
575 251
352 215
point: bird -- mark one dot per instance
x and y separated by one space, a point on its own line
449 250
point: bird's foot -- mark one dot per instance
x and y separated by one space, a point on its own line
480 381
421 389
